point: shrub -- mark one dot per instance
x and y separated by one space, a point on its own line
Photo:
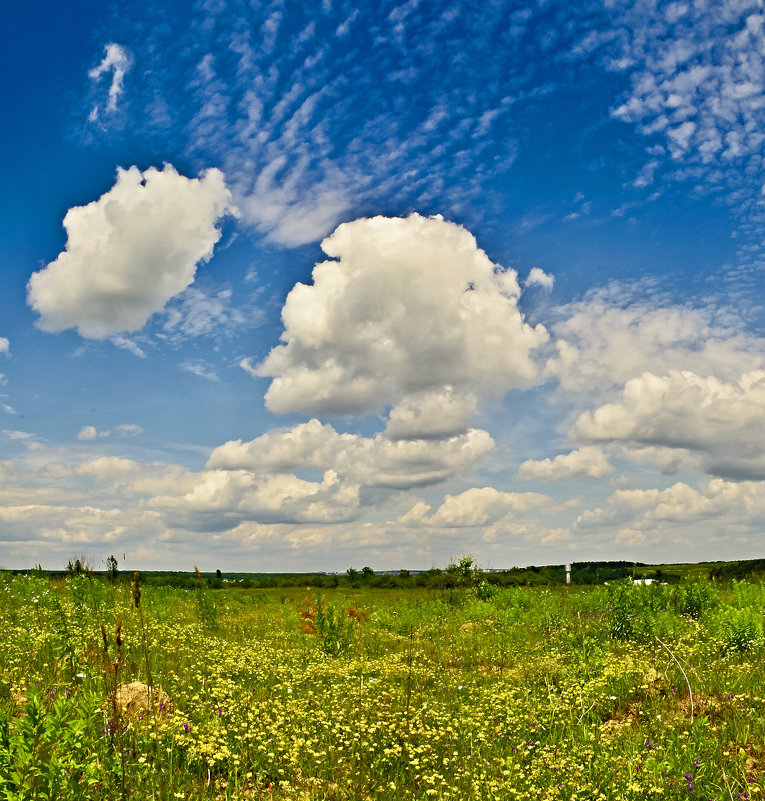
741 629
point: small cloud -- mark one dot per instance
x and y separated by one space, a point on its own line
201 369
118 61
587 462
128 344
5 345
537 277
646 174
89 433
17 435
128 430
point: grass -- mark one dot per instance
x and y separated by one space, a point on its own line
484 693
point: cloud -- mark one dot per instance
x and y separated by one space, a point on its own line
312 130
484 506
130 345
18 435
221 499
89 433
128 430
118 61
130 251
370 462
621 331
696 85
404 306
540 278
587 462
431 415
719 513
201 369
107 469
196 313
724 423
488 519
70 526
5 346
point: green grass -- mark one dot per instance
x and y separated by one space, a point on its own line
484 693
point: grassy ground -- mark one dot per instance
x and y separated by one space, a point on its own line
480 693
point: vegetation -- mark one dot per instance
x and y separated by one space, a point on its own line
115 687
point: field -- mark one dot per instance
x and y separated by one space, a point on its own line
473 692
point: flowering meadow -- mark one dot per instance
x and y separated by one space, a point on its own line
617 692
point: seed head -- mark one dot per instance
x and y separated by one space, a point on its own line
199 577
104 637
118 632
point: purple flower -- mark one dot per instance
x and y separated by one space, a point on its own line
185 728
687 776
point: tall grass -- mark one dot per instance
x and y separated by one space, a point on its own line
619 692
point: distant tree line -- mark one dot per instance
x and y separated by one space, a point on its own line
460 573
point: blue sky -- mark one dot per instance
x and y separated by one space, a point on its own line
298 287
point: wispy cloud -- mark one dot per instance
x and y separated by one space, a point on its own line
697 82
201 369
117 61
312 125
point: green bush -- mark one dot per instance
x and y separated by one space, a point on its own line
741 629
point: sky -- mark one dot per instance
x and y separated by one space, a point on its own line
304 286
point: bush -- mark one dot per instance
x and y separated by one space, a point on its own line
741 629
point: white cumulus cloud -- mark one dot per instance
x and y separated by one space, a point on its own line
587 462
404 306
723 422
621 331
371 462
538 277
130 251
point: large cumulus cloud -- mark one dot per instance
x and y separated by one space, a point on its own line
404 306
130 251
722 423
621 331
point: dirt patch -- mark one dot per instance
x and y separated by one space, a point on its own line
134 701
